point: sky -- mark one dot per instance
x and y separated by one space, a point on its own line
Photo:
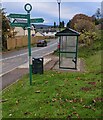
48 9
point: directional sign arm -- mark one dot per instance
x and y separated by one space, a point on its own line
18 24
23 16
37 20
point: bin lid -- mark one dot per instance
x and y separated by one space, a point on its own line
37 57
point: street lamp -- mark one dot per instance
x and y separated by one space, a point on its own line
59 1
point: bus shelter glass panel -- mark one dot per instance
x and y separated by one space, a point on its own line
68 51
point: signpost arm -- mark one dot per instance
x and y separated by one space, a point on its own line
29 48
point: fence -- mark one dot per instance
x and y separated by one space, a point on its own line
17 42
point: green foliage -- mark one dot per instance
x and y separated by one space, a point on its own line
78 17
68 24
98 17
5 29
4 42
87 51
56 95
55 25
59 94
61 24
98 13
88 37
84 25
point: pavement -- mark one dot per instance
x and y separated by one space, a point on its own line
14 75
50 63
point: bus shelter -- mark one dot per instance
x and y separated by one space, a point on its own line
68 48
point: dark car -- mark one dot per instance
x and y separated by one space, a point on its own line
41 43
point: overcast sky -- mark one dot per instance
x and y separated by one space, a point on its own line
49 10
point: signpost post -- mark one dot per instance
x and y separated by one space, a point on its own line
28 8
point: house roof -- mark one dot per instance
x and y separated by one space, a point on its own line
67 32
40 33
42 26
49 30
18 20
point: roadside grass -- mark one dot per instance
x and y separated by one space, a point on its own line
58 94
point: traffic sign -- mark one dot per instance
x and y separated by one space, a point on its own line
37 20
23 16
18 24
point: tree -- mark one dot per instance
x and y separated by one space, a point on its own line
68 24
61 24
54 24
83 25
87 30
78 17
98 13
95 20
98 17
5 28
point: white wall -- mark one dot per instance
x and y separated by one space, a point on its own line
20 31
49 33
32 32
38 34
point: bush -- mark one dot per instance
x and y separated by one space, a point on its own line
4 42
84 25
88 37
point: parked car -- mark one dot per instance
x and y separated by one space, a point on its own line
41 43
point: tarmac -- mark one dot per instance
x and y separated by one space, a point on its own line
14 75
50 62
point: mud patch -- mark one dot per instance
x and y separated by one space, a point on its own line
92 83
85 89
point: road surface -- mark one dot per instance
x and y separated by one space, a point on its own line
14 59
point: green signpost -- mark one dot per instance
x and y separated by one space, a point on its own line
37 20
23 16
18 24
28 8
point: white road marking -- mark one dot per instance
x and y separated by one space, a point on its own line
25 53
18 67
21 55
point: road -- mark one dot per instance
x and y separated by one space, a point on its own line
14 59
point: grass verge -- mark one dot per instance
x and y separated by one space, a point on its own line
58 94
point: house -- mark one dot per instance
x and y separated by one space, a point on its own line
23 31
39 34
19 31
49 32
32 31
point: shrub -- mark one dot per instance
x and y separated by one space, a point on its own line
88 37
84 25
